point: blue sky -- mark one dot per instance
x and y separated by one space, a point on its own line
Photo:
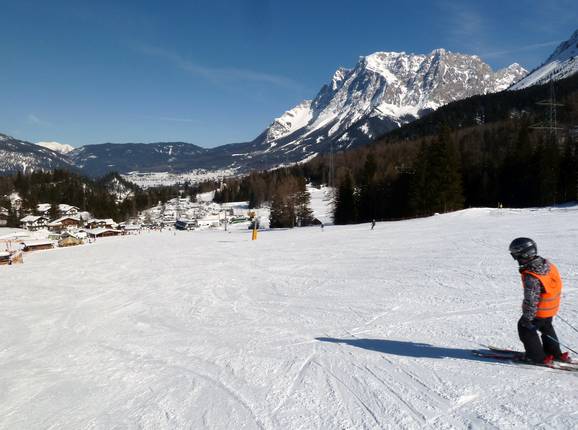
216 72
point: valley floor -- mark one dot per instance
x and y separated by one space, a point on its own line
301 329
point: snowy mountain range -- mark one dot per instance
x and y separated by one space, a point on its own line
97 160
562 63
384 91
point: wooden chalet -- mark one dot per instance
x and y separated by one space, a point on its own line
100 223
67 210
43 208
34 222
103 232
64 223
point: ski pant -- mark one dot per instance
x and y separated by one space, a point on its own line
536 350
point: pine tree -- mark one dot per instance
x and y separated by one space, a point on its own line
368 191
303 212
345 212
547 160
53 213
437 185
283 203
418 197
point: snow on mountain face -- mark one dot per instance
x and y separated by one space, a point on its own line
385 90
407 83
562 63
61 148
290 121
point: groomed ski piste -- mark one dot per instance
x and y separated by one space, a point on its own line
344 328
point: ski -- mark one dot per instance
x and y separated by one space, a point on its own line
516 357
496 349
511 352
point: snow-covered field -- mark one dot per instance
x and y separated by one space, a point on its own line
301 329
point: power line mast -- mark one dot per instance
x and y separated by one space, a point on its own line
550 124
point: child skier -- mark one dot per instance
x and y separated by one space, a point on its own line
542 291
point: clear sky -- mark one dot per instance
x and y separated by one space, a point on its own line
212 72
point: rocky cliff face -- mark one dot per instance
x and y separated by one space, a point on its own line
383 91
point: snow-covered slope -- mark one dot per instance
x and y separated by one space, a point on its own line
307 328
61 148
290 121
562 63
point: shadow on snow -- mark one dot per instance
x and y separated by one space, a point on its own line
408 349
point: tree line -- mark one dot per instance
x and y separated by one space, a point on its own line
491 150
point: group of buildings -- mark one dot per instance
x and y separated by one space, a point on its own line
61 225
66 225
186 214
69 220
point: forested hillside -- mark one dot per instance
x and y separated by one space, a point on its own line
487 150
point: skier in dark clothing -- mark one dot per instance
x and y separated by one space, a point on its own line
372 224
542 290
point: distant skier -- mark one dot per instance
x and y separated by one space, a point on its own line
542 290
372 224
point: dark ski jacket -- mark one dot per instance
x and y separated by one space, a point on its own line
532 288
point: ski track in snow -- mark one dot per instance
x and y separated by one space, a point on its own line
303 329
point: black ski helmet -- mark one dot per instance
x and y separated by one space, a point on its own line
523 248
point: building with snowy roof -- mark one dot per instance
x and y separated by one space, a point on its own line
102 232
64 209
34 222
64 223
100 223
37 245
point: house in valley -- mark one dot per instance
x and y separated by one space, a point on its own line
67 210
43 209
100 223
64 223
102 232
34 222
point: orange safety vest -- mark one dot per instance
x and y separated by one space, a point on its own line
550 297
